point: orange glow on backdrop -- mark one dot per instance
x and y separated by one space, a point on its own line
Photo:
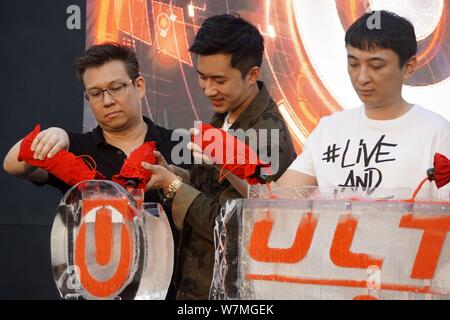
296 74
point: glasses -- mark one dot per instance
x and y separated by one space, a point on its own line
114 90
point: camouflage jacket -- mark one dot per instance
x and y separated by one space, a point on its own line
196 205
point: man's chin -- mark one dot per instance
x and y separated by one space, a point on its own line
371 104
114 125
370 101
220 110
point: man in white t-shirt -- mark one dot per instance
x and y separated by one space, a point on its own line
387 143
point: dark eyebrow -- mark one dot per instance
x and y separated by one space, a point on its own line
349 56
213 77
376 59
109 83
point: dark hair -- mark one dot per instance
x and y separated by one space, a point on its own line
230 34
98 55
393 32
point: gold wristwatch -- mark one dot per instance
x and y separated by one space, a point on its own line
172 188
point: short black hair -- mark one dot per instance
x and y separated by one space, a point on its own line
393 32
98 55
230 34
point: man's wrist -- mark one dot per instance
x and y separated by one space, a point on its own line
67 141
173 187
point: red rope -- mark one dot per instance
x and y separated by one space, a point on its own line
267 183
92 164
222 176
419 187
271 194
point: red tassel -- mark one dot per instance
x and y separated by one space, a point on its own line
245 168
64 165
132 172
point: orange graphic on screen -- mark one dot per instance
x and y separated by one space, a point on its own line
170 31
161 32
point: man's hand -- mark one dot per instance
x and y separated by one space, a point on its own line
48 142
161 161
161 176
197 151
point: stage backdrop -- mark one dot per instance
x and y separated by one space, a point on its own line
304 66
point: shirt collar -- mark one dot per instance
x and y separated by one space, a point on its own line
249 116
149 136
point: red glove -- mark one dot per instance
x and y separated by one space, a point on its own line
441 171
64 165
247 168
132 172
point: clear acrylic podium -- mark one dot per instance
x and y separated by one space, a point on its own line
337 244
107 245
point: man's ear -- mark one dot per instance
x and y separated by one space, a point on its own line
254 74
140 86
410 67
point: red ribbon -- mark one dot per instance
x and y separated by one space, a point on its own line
215 144
441 171
64 165
132 172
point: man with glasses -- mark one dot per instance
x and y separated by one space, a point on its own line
114 89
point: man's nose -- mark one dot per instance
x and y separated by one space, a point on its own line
108 99
210 90
363 76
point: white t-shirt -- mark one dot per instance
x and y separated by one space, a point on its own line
347 149
226 125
